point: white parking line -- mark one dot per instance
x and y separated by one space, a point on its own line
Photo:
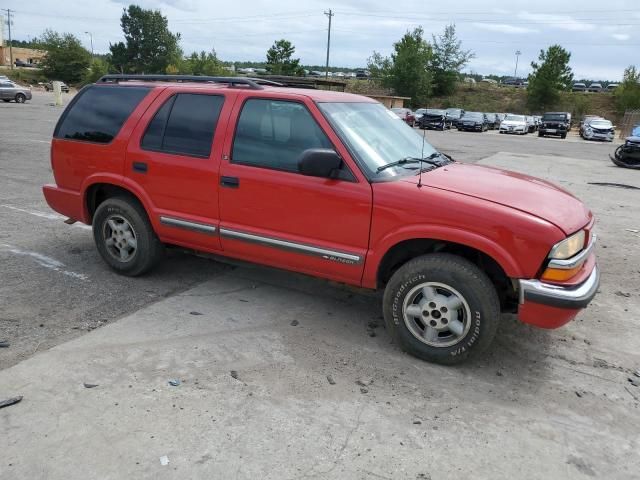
48 216
43 260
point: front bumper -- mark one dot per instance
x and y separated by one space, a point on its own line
547 305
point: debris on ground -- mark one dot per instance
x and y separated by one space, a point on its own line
195 313
294 323
164 460
578 394
234 374
498 373
10 401
632 230
417 421
331 380
634 381
174 382
637 373
364 390
364 382
90 385
4 344
617 185
623 294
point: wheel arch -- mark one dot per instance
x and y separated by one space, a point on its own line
101 189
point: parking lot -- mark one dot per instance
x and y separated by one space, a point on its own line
325 396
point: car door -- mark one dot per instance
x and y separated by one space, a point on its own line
174 157
272 214
6 90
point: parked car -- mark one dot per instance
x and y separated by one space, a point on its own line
579 87
454 114
595 87
598 129
474 121
362 74
611 87
435 119
238 172
531 124
12 91
554 123
635 131
20 63
63 87
585 119
514 124
513 82
418 114
493 121
405 114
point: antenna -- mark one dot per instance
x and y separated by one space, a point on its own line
424 134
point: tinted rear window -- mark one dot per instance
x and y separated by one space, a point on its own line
98 113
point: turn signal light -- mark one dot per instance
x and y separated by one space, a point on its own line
560 274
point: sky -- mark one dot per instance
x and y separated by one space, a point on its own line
602 36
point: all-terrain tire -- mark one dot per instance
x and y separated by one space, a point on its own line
126 215
442 272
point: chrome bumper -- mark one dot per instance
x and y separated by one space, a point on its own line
574 297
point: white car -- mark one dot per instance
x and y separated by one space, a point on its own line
598 129
514 124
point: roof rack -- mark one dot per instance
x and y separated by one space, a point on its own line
231 81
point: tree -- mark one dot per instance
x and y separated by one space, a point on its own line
279 61
97 69
149 46
448 61
66 58
204 63
549 77
627 95
406 71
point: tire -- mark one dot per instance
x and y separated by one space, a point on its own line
564 135
452 277
131 220
20 98
540 134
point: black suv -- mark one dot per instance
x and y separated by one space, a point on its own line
554 123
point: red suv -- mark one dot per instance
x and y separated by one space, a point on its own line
324 183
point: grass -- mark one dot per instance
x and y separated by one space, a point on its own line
28 76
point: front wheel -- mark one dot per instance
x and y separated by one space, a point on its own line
441 308
125 237
20 98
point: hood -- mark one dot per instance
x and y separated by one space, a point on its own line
528 194
513 123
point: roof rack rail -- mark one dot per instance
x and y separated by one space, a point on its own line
231 81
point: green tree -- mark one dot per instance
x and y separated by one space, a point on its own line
627 95
549 77
279 61
204 63
97 69
448 61
149 46
406 71
66 58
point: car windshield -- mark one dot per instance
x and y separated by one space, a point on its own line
600 123
376 137
421 111
515 118
435 111
553 117
472 116
454 111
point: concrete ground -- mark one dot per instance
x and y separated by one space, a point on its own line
255 400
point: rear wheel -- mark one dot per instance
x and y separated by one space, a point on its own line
540 134
125 237
20 98
441 308
564 135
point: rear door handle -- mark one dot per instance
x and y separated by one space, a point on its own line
140 167
230 182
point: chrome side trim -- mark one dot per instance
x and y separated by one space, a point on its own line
577 296
332 255
188 225
576 260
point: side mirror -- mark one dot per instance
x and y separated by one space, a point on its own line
319 162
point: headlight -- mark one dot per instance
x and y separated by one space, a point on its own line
568 247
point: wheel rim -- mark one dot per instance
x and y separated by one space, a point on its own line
20 98
436 314
120 238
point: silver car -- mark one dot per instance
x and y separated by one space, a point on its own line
10 91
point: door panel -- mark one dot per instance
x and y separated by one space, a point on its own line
183 188
285 219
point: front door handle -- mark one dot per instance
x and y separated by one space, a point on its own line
140 167
230 182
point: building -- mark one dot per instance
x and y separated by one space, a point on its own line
26 55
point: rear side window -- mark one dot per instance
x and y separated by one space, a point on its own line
184 125
98 113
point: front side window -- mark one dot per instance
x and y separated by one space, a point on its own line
98 113
275 133
376 136
184 125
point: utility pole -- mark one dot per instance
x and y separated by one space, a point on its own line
328 14
518 53
91 37
8 10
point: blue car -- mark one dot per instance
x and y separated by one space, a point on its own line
635 131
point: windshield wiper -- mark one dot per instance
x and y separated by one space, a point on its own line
402 161
429 160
